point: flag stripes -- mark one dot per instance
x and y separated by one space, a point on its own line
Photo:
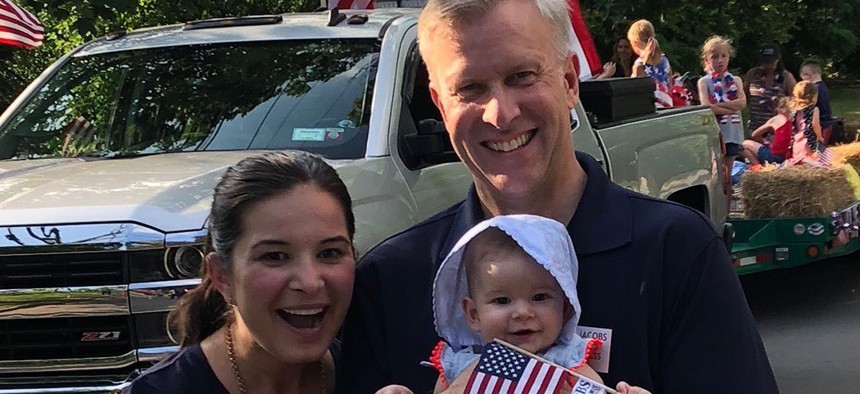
19 27
504 371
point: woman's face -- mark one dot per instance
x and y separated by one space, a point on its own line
771 65
623 49
293 271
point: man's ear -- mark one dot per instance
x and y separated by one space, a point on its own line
470 309
571 79
221 279
434 95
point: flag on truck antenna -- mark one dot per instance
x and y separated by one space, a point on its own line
582 44
350 4
18 27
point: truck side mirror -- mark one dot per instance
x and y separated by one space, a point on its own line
428 145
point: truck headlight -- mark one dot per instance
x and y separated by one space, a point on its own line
183 261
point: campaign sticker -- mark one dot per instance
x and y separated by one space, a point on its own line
799 229
585 385
598 360
315 135
815 229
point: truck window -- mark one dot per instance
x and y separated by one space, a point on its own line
310 95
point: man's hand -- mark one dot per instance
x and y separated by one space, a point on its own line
624 388
394 389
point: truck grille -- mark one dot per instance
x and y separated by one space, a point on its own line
60 270
59 338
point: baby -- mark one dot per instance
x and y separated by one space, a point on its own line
513 278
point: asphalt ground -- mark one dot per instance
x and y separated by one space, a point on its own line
809 318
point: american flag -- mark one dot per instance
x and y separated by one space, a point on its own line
18 27
825 155
502 370
351 4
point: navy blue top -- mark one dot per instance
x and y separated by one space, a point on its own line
825 115
186 371
655 272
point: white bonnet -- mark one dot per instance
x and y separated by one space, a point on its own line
545 240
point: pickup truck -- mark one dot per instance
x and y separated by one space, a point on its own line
108 159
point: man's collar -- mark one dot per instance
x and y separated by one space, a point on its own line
602 220
470 214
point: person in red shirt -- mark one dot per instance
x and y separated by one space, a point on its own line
760 149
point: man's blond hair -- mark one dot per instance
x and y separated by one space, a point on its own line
453 13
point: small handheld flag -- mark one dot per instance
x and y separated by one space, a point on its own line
506 369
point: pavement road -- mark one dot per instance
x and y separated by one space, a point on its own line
809 318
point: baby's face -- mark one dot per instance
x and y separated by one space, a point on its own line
515 299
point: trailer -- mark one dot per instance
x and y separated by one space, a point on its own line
771 243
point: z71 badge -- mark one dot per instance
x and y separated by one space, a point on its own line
94 336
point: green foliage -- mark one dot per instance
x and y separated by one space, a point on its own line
69 23
822 29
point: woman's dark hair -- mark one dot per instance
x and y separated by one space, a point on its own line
617 59
203 310
768 54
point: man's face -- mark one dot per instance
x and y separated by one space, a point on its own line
505 97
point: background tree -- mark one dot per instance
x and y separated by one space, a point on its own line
822 29
70 23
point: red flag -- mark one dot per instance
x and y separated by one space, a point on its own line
582 38
19 27
351 4
502 370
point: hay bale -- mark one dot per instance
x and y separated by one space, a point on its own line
796 191
847 153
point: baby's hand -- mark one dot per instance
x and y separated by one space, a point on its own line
394 389
624 388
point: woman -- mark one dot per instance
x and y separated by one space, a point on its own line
275 288
651 61
622 61
766 84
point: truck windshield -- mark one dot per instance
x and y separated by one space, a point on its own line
308 95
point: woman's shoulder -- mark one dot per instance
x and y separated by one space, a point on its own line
185 371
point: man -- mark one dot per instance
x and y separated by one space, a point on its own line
655 279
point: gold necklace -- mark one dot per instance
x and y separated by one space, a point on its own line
228 339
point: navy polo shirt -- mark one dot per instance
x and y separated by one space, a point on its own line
654 272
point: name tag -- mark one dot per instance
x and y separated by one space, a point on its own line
598 360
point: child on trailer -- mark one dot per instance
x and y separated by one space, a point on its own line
651 61
806 119
514 278
771 149
724 93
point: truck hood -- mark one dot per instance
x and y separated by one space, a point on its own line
168 192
